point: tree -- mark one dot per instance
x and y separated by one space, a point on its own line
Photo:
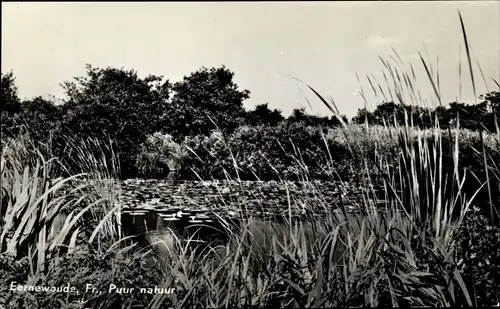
470 116
297 115
390 114
41 117
262 115
492 100
160 157
300 116
363 115
203 98
10 105
116 103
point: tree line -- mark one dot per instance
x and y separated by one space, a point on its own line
116 103
484 115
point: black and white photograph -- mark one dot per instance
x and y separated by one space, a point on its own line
298 154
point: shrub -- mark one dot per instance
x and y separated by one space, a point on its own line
479 255
85 264
159 157
266 153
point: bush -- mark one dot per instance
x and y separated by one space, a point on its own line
296 150
207 158
84 265
159 157
479 256
266 153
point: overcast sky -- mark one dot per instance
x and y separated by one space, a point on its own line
322 43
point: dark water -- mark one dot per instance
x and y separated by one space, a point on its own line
152 226
143 223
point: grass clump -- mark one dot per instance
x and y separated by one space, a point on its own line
59 229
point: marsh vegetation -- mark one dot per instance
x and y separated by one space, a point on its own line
433 241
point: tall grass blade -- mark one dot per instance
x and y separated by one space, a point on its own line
467 50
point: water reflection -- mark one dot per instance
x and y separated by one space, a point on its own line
199 228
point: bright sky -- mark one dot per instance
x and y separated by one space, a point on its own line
321 43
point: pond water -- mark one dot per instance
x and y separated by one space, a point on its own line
163 230
144 223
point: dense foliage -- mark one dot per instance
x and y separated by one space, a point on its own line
198 128
268 153
11 104
472 117
429 243
118 104
84 265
